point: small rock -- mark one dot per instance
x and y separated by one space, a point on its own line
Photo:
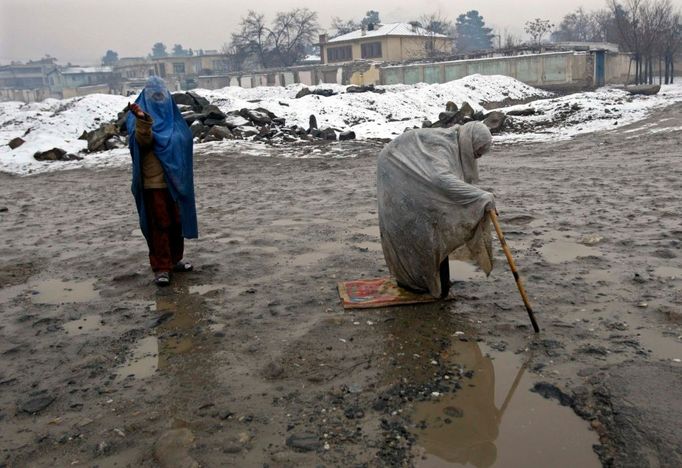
36 405
453 412
303 92
495 121
347 135
304 442
15 142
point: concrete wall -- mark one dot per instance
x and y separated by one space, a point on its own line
558 71
563 70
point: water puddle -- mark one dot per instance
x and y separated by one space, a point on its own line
494 420
668 272
202 289
560 251
58 292
660 346
86 324
464 271
144 361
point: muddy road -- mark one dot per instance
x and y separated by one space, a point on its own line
251 361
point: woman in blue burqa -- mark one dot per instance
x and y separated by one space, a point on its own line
161 147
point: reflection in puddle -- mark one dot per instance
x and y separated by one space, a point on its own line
144 362
668 272
464 271
660 346
494 420
58 292
559 251
86 324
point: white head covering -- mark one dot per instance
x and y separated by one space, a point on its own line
475 139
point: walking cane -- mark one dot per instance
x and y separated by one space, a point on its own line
512 266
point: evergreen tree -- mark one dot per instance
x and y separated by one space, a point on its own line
159 50
472 33
110 58
372 17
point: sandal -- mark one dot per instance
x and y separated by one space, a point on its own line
162 279
182 267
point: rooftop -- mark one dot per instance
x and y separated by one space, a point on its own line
391 29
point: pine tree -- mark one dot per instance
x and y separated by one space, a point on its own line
472 33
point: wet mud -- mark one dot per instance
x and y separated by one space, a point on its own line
251 361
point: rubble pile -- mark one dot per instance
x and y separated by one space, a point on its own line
454 115
208 123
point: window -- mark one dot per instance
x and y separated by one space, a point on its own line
339 54
371 50
178 68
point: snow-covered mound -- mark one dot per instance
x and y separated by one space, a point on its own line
59 123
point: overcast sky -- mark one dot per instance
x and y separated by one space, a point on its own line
80 31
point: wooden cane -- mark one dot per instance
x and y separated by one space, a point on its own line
512 266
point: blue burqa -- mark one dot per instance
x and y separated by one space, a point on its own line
173 147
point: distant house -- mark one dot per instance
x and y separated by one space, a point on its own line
394 42
183 71
31 81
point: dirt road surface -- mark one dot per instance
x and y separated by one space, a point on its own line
251 360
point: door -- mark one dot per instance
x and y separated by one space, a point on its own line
600 63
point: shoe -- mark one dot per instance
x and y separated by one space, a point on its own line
182 267
162 279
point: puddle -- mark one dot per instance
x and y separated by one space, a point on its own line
464 271
494 420
86 324
205 288
144 362
559 251
668 272
58 292
661 347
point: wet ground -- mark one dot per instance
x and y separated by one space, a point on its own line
251 361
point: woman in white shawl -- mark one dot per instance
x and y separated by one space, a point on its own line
428 207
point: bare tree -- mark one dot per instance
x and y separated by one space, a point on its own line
342 27
537 28
292 32
435 25
253 38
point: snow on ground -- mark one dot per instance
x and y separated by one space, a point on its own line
59 123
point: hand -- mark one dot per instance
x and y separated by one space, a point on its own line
136 110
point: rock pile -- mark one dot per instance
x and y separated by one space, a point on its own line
208 123
55 154
453 115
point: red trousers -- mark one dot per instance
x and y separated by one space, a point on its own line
166 244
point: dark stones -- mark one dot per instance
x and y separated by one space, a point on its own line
16 143
328 134
55 154
36 405
304 442
218 133
257 116
312 123
451 107
523 112
347 135
97 138
303 93
495 121
213 112
365 89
